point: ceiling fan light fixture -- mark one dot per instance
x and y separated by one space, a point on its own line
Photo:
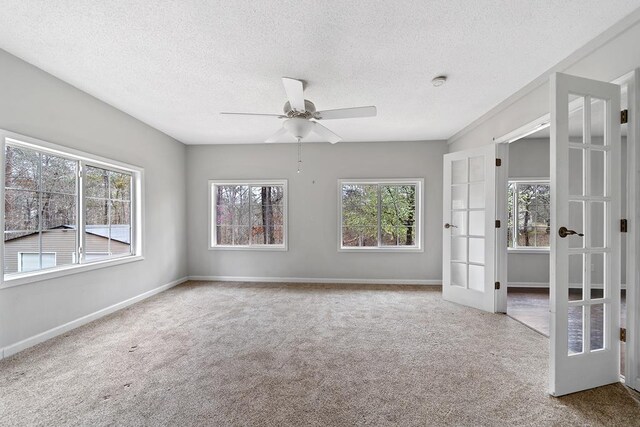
439 81
298 127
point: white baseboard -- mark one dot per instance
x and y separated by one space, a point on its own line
58 330
528 284
317 280
546 285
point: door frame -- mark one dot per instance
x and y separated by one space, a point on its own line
632 271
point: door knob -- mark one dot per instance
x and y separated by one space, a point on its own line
447 225
564 232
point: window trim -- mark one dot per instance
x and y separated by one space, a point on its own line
525 249
419 247
212 236
137 208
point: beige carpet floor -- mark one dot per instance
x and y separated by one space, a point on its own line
297 355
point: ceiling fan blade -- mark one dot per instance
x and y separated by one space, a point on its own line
346 113
276 136
326 133
295 93
280 116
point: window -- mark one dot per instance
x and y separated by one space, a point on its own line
248 215
380 214
62 208
529 216
31 261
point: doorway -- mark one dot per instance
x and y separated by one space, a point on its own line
527 207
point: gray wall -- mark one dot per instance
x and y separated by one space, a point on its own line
37 104
529 158
604 60
313 208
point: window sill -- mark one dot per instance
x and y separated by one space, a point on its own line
274 248
380 249
545 251
18 279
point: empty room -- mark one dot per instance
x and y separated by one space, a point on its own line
305 213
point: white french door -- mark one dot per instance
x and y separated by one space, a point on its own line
469 228
585 238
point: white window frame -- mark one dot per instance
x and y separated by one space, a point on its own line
213 183
418 247
137 209
20 254
514 231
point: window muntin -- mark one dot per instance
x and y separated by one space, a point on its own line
380 214
529 215
248 214
46 208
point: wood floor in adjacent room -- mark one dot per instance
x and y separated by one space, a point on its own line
275 354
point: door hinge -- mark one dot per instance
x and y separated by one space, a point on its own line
497 223
497 285
623 334
624 116
498 162
623 225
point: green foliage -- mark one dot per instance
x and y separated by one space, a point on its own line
360 214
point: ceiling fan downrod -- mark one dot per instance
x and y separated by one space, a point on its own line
299 154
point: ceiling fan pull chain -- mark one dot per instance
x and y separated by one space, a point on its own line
299 154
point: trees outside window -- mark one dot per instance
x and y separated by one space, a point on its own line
248 214
529 214
47 194
380 214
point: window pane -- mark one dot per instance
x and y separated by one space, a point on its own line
61 243
21 168
224 215
21 210
529 214
58 174
96 239
120 236
360 215
511 197
120 213
241 235
224 235
232 203
96 182
120 186
58 210
360 236
96 212
360 201
266 214
398 214
15 243
108 220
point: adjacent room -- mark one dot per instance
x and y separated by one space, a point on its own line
301 213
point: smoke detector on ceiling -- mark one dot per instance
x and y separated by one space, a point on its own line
439 81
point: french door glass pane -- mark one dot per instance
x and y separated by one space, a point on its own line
576 331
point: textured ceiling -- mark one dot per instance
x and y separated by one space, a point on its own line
176 64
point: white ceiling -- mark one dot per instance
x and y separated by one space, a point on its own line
175 64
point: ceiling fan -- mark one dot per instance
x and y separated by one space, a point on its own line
301 115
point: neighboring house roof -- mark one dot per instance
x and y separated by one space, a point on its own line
120 233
